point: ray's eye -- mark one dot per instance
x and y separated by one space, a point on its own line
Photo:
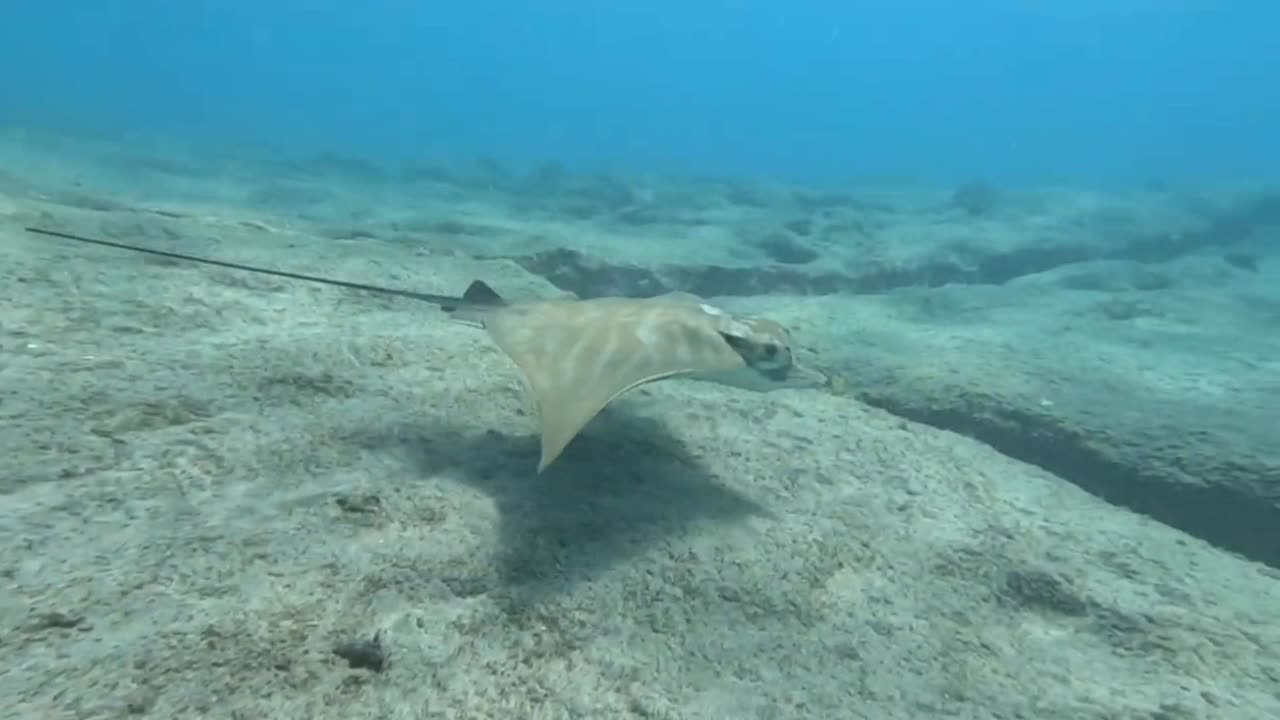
770 351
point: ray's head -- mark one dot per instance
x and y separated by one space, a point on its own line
765 347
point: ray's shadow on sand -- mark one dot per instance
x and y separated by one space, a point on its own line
621 487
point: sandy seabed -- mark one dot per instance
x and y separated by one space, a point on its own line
233 496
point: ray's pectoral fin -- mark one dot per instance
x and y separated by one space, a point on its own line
576 359
565 408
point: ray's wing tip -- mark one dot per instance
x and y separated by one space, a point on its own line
547 457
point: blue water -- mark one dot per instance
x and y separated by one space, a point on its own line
1089 91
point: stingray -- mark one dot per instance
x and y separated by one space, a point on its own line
578 356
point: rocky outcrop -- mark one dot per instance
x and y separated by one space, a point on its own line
1170 408
794 264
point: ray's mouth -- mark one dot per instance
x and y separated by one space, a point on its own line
780 373
817 377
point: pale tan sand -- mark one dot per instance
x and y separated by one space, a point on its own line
213 480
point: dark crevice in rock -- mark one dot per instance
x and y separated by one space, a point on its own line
1218 513
585 276
588 276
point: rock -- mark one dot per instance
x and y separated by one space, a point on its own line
1171 410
